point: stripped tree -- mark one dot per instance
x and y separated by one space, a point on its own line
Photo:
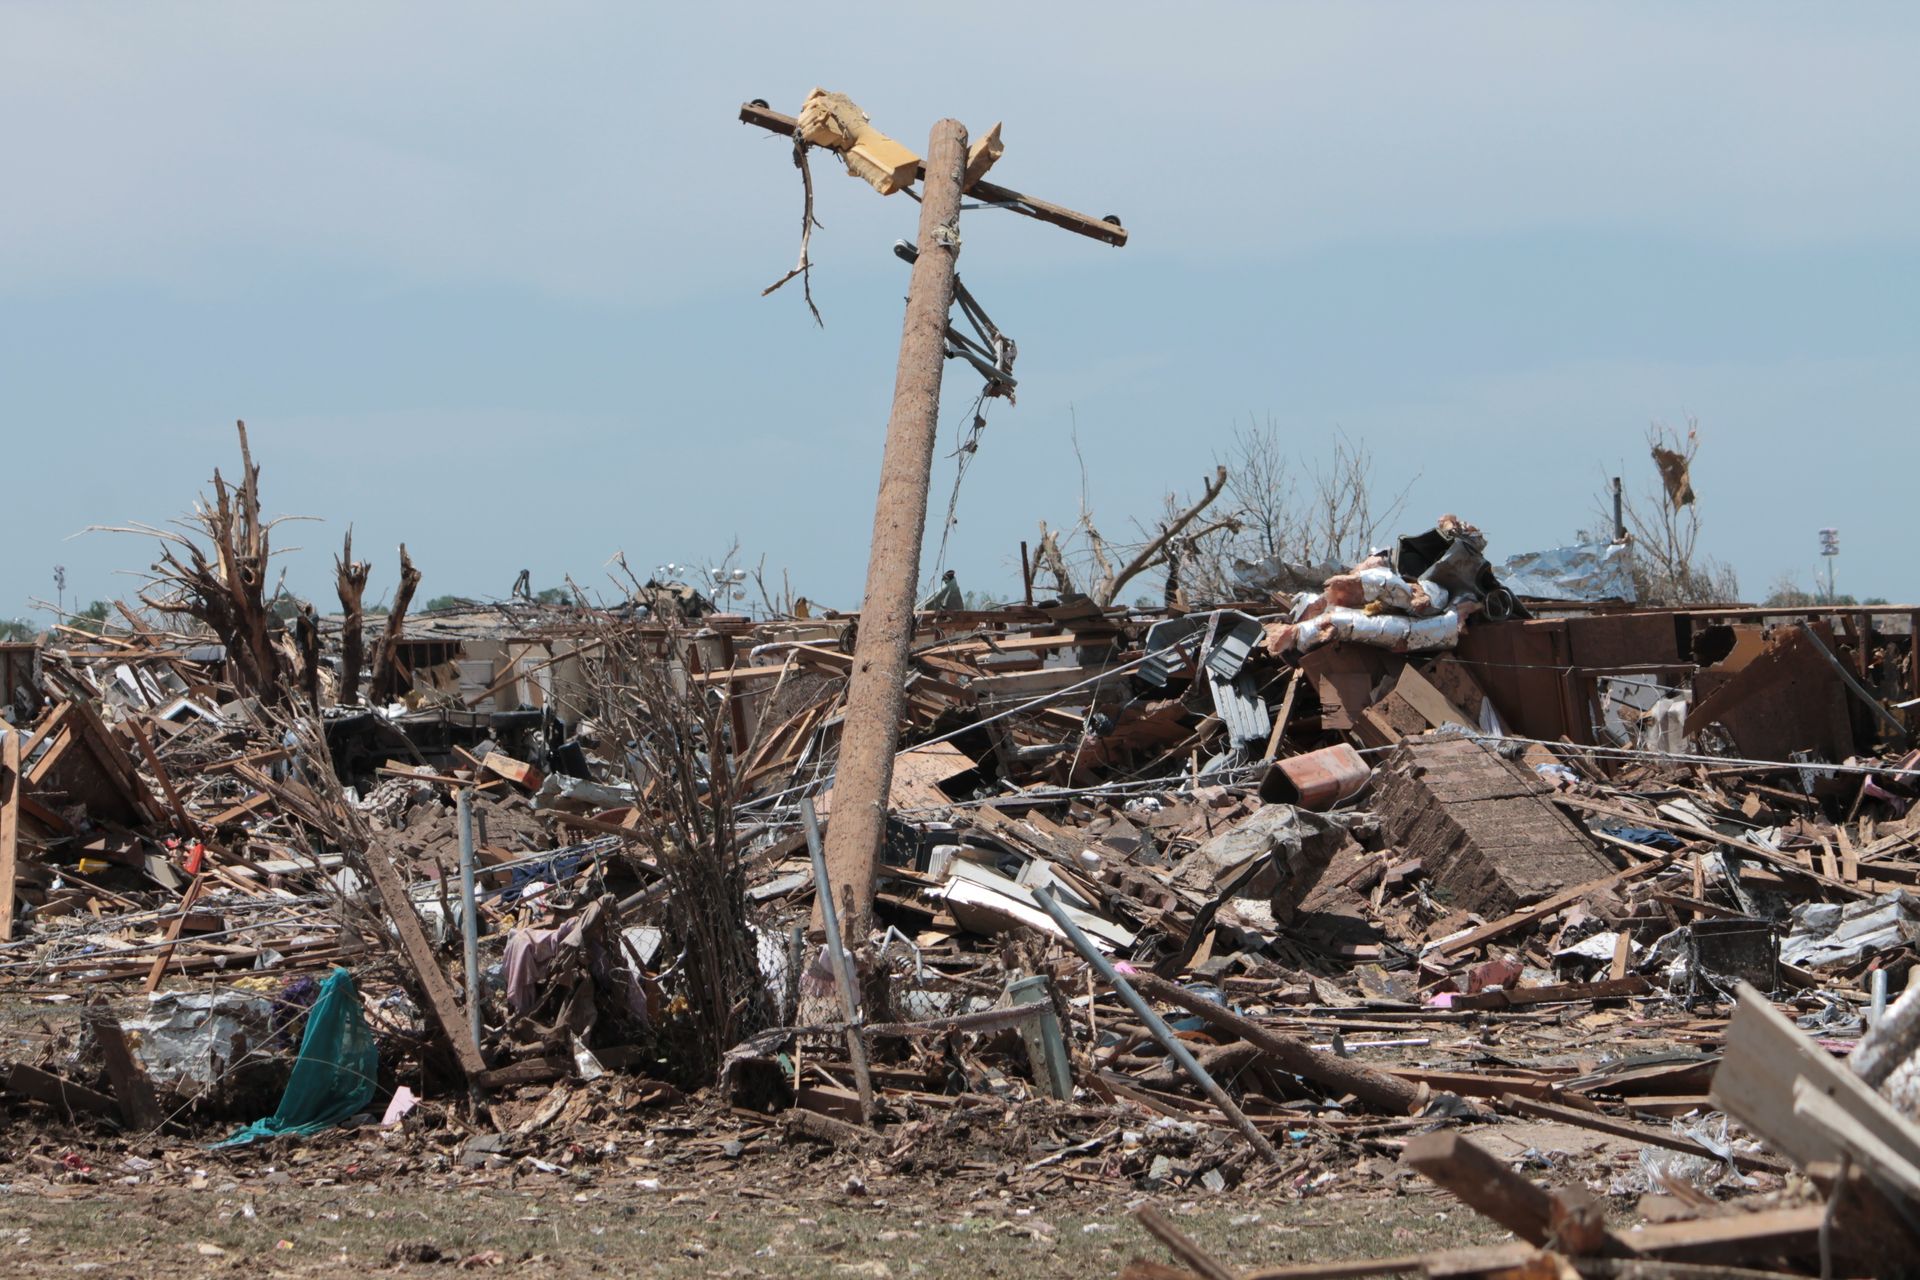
223 585
386 657
351 583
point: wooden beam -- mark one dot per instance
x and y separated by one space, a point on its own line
1280 721
1636 1133
990 193
1486 1184
147 753
1545 907
1180 1246
132 1090
44 1086
1765 1056
160 962
1721 1239
417 954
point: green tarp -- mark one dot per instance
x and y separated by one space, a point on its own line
333 1078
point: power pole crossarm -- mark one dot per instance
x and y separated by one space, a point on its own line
1106 229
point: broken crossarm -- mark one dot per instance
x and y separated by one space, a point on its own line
1107 229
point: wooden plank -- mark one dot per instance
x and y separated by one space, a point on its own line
584 823
147 753
1545 907
49 723
515 771
1622 955
61 742
1350 1269
1829 864
241 810
1181 1246
1487 1185
1280 721
179 922
1765 1055
1718 1239
44 1086
417 953
1559 993
1021 685
131 1087
734 675
1868 1149
1636 1133
1477 1084
1432 705
10 831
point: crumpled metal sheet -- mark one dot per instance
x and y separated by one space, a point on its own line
1826 933
1274 576
561 791
1587 571
189 1042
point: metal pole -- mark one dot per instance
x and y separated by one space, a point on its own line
1160 1030
842 962
469 917
1860 691
1619 516
876 695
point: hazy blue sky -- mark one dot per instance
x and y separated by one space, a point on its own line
485 277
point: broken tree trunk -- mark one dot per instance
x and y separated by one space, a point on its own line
1053 562
306 632
351 584
384 678
227 592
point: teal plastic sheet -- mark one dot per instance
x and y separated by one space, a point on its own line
333 1078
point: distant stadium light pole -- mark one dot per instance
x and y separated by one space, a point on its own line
1830 548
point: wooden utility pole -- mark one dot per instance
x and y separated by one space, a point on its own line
876 692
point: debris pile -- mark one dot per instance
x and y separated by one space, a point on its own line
1321 888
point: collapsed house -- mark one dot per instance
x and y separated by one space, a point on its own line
1391 853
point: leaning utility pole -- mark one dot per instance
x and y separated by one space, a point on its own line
876 693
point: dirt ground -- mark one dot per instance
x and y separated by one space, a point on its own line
245 1224
612 1177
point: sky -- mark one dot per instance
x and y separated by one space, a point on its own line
485 278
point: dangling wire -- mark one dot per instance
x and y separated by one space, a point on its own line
969 446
